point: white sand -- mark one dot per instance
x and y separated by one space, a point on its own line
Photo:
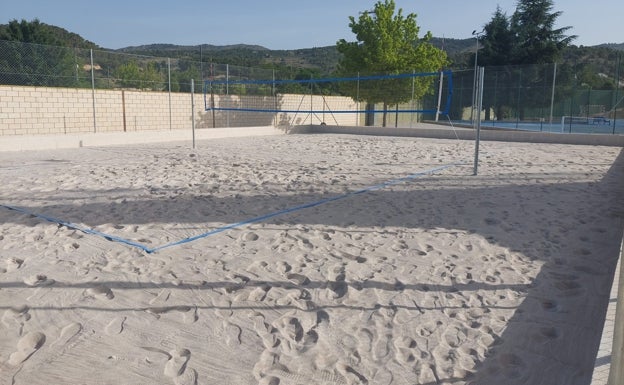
449 278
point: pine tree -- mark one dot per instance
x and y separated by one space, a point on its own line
497 42
527 37
536 40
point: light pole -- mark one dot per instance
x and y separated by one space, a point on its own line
474 81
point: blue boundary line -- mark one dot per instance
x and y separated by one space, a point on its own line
218 230
74 226
318 111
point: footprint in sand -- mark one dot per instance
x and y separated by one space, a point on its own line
231 333
189 377
337 284
569 287
189 312
68 333
101 291
26 347
545 334
298 279
115 326
550 305
249 237
512 365
283 267
13 264
38 280
16 315
176 364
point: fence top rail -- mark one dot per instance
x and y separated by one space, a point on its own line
327 80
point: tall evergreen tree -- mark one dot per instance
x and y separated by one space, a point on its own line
529 36
536 40
497 42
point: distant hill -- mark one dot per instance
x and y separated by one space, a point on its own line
320 61
321 58
324 59
619 47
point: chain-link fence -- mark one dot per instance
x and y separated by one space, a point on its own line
26 64
546 97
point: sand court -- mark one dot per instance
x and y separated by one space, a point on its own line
441 278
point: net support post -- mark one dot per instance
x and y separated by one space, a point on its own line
477 120
439 95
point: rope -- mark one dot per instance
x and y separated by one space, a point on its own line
231 226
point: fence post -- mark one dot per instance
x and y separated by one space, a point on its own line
479 100
439 95
552 96
227 93
93 91
169 80
357 97
193 109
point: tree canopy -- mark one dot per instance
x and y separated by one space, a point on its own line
388 43
41 33
498 41
529 36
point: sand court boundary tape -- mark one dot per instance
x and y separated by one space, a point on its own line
230 226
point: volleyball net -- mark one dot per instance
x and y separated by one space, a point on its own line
338 101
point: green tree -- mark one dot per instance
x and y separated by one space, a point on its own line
131 75
128 75
388 43
536 39
528 37
497 42
41 33
35 53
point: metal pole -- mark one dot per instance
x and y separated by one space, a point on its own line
212 98
412 97
274 100
479 98
93 91
357 97
474 82
552 96
439 95
227 92
518 100
617 89
311 100
201 61
193 109
169 81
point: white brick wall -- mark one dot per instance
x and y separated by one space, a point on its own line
42 111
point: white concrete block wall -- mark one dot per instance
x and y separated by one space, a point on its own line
43 111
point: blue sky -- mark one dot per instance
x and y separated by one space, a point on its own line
286 24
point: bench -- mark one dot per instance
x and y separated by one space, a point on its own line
600 120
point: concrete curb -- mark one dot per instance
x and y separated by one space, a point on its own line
425 130
58 141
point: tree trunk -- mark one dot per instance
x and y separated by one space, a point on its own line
385 114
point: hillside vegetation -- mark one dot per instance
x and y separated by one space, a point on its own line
591 64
